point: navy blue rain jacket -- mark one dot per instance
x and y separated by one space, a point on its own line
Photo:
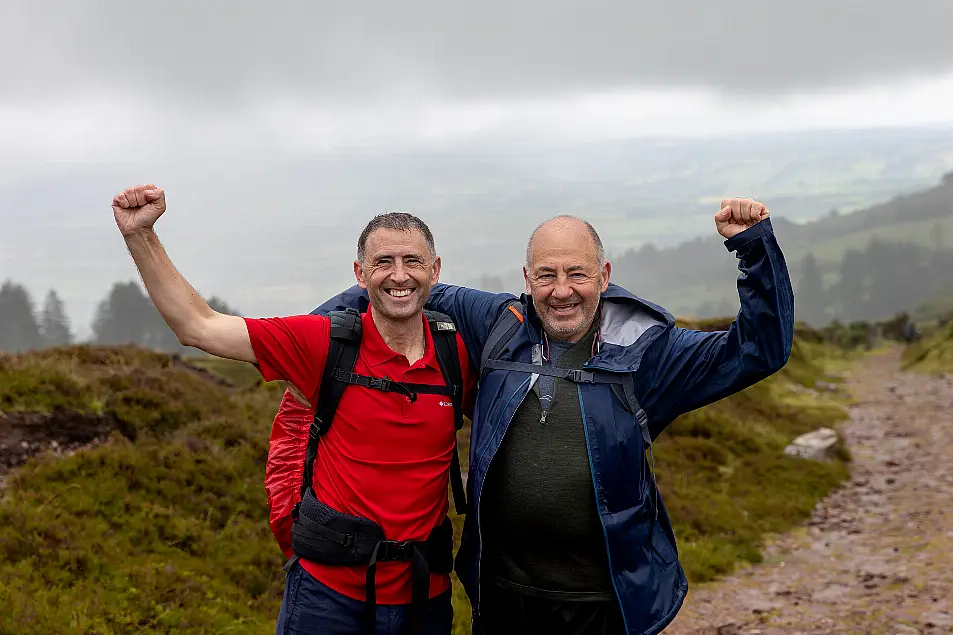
675 370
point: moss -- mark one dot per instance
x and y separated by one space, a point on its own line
933 353
146 391
238 374
29 390
113 538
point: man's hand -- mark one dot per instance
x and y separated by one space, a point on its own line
138 208
738 214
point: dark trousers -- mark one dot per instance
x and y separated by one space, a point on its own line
504 612
310 607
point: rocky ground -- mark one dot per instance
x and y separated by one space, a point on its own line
877 556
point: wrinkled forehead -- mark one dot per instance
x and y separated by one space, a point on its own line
563 246
397 242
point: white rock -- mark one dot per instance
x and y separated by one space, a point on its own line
816 445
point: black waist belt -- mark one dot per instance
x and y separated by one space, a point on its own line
324 535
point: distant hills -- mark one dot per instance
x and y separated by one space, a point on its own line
284 238
698 277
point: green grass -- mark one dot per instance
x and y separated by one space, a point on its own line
932 354
165 528
238 374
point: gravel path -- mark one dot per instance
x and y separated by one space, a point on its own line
877 556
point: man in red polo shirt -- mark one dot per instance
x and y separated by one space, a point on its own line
386 458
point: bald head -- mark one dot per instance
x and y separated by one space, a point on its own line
562 228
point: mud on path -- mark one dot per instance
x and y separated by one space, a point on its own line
23 435
877 556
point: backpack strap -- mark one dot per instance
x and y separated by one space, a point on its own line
383 384
500 334
342 354
632 404
448 357
621 384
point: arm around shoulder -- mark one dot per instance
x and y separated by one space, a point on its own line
473 311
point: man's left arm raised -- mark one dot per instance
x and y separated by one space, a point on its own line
696 368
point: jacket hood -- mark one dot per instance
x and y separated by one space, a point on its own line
628 325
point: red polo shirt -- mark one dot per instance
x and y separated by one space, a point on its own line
384 458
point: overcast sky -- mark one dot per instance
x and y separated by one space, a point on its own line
129 85
81 76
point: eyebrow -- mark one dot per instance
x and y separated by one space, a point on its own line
548 269
405 256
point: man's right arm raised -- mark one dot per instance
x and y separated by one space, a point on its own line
193 321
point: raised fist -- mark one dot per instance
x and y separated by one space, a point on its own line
137 208
738 214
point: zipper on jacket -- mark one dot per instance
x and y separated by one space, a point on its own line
479 563
605 532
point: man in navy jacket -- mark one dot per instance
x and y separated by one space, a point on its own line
567 532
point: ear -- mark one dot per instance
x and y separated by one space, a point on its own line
606 270
359 274
529 288
435 278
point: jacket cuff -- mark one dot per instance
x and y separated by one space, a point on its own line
751 234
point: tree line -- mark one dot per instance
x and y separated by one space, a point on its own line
875 283
125 316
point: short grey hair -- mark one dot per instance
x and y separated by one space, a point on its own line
400 221
600 250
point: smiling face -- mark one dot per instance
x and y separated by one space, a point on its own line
565 275
398 271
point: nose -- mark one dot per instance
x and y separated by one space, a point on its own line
399 273
562 289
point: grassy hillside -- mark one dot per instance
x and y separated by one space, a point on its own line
161 525
161 529
933 353
937 308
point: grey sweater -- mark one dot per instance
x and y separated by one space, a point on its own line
540 524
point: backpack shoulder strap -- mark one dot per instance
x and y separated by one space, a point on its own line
444 333
448 357
500 334
631 401
343 348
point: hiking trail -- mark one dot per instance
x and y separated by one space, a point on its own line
877 555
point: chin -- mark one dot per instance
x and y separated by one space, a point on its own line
399 313
561 329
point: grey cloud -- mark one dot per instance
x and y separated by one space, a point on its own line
220 53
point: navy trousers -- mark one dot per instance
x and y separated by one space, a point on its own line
310 607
